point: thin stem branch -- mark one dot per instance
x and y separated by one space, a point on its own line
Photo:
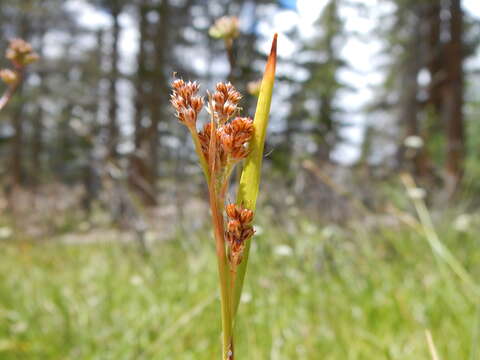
7 96
223 271
231 57
198 149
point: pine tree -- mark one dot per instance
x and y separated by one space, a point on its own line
320 90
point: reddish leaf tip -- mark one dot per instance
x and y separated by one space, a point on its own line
272 59
273 51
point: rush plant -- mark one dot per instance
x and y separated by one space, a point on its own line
225 141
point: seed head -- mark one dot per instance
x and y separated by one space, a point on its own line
246 216
186 102
225 101
232 140
20 53
226 27
239 230
8 76
234 137
204 136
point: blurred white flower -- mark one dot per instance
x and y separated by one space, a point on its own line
19 327
136 280
246 297
417 193
253 87
283 250
330 231
413 142
258 230
5 232
310 228
226 27
150 236
463 222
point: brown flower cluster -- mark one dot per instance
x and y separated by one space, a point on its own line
186 101
20 53
232 139
225 101
239 230
232 134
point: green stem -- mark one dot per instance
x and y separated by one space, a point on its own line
216 206
217 201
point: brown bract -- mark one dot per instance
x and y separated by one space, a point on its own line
186 102
238 231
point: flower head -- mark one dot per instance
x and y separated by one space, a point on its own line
20 53
205 136
186 102
8 76
225 101
226 27
413 142
234 137
238 230
232 140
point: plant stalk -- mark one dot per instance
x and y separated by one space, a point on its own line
219 232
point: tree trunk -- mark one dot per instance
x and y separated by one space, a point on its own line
453 99
37 141
113 128
409 101
159 88
140 178
434 55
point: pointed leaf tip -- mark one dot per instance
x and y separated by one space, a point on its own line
273 51
272 58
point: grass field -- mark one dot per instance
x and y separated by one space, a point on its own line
311 294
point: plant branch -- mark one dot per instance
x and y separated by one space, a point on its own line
7 96
198 149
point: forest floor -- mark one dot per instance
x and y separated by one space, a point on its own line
311 293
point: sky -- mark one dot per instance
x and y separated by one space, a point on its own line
361 55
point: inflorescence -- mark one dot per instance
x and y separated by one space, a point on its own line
223 142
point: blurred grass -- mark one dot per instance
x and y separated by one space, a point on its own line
326 293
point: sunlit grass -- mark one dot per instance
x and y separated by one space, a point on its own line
331 294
